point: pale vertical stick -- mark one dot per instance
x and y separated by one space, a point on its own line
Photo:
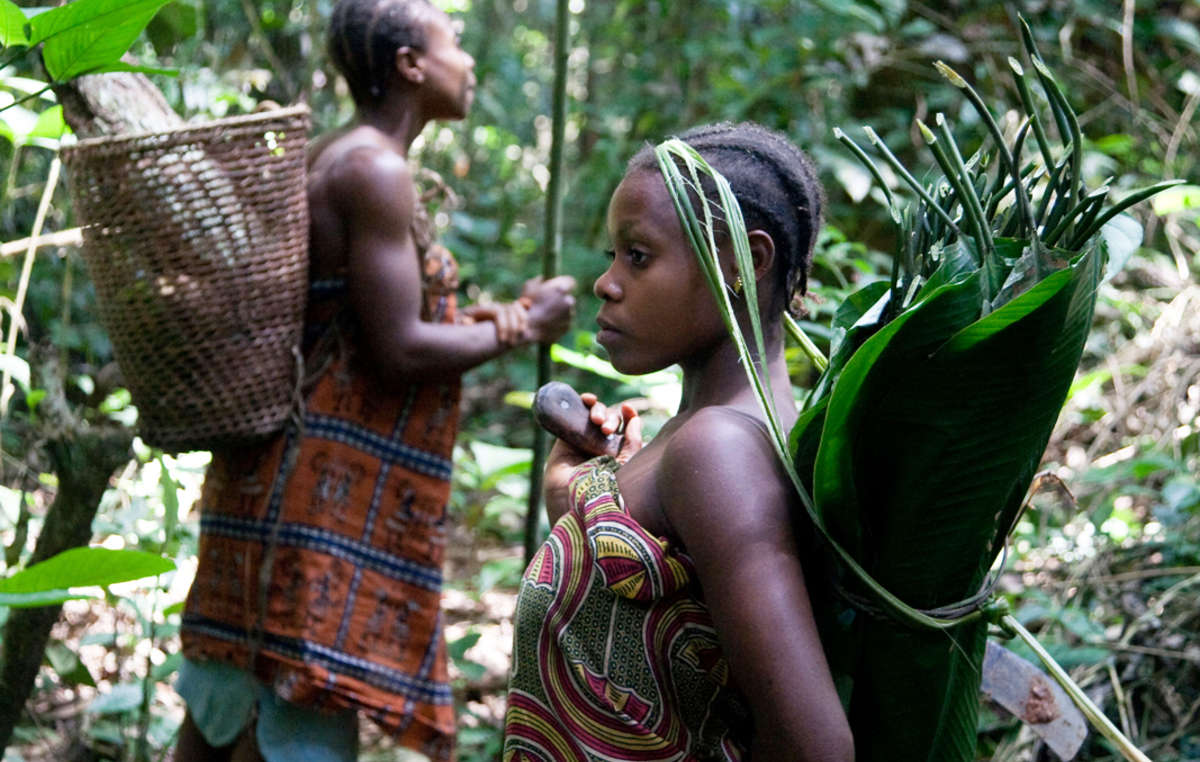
14 311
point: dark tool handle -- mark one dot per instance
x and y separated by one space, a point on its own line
558 409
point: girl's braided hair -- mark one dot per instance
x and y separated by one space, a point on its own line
775 184
364 36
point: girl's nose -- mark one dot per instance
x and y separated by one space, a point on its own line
606 287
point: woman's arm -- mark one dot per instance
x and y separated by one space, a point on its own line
376 199
728 498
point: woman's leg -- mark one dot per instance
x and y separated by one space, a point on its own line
191 746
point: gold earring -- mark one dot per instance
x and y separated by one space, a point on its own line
737 285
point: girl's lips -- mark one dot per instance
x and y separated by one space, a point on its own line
607 332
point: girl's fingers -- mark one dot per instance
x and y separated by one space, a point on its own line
612 421
598 413
632 441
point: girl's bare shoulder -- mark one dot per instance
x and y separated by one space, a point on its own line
721 459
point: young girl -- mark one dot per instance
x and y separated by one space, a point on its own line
667 616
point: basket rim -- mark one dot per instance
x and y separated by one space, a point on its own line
299 109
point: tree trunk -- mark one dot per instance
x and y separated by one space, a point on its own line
84 460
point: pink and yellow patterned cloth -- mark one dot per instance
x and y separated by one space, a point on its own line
614 654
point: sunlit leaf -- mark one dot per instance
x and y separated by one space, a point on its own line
85 567
17 368
87 35
1122 236
492 458
13 25
50 124
1178 199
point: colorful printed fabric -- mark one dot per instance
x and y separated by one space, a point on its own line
320 561
614 655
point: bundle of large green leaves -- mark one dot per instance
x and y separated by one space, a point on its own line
916 449
922 439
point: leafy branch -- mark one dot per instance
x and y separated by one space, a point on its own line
81 37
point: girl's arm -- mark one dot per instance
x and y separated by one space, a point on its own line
564 458
729 499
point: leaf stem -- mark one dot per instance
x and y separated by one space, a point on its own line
1084 209
908 178
1133 198
1055 93
861 155
814 354
970 197
29 97
1006 156
18 304
1039 131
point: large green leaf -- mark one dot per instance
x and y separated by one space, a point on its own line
930 438
47 582
914 334
89 35
13 25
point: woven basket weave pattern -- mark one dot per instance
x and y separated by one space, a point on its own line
197 242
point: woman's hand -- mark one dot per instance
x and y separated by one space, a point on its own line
563 459
551 307
511 319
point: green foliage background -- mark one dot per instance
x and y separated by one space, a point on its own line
640 70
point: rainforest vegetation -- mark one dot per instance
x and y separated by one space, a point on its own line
1103 564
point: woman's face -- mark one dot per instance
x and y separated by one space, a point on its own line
449 70
657 308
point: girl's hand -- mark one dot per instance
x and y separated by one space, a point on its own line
563 459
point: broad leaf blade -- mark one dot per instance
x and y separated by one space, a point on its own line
915 333
87 35
13 25
85 567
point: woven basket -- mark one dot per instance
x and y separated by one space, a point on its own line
197 242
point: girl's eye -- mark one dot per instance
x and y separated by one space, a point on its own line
637 258
610 254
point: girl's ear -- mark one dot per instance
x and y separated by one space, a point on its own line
409 65
762 251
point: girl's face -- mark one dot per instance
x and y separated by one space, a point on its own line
657 308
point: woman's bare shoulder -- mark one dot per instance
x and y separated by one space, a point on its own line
360 155
360 174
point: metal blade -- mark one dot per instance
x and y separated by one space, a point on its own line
1033 697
